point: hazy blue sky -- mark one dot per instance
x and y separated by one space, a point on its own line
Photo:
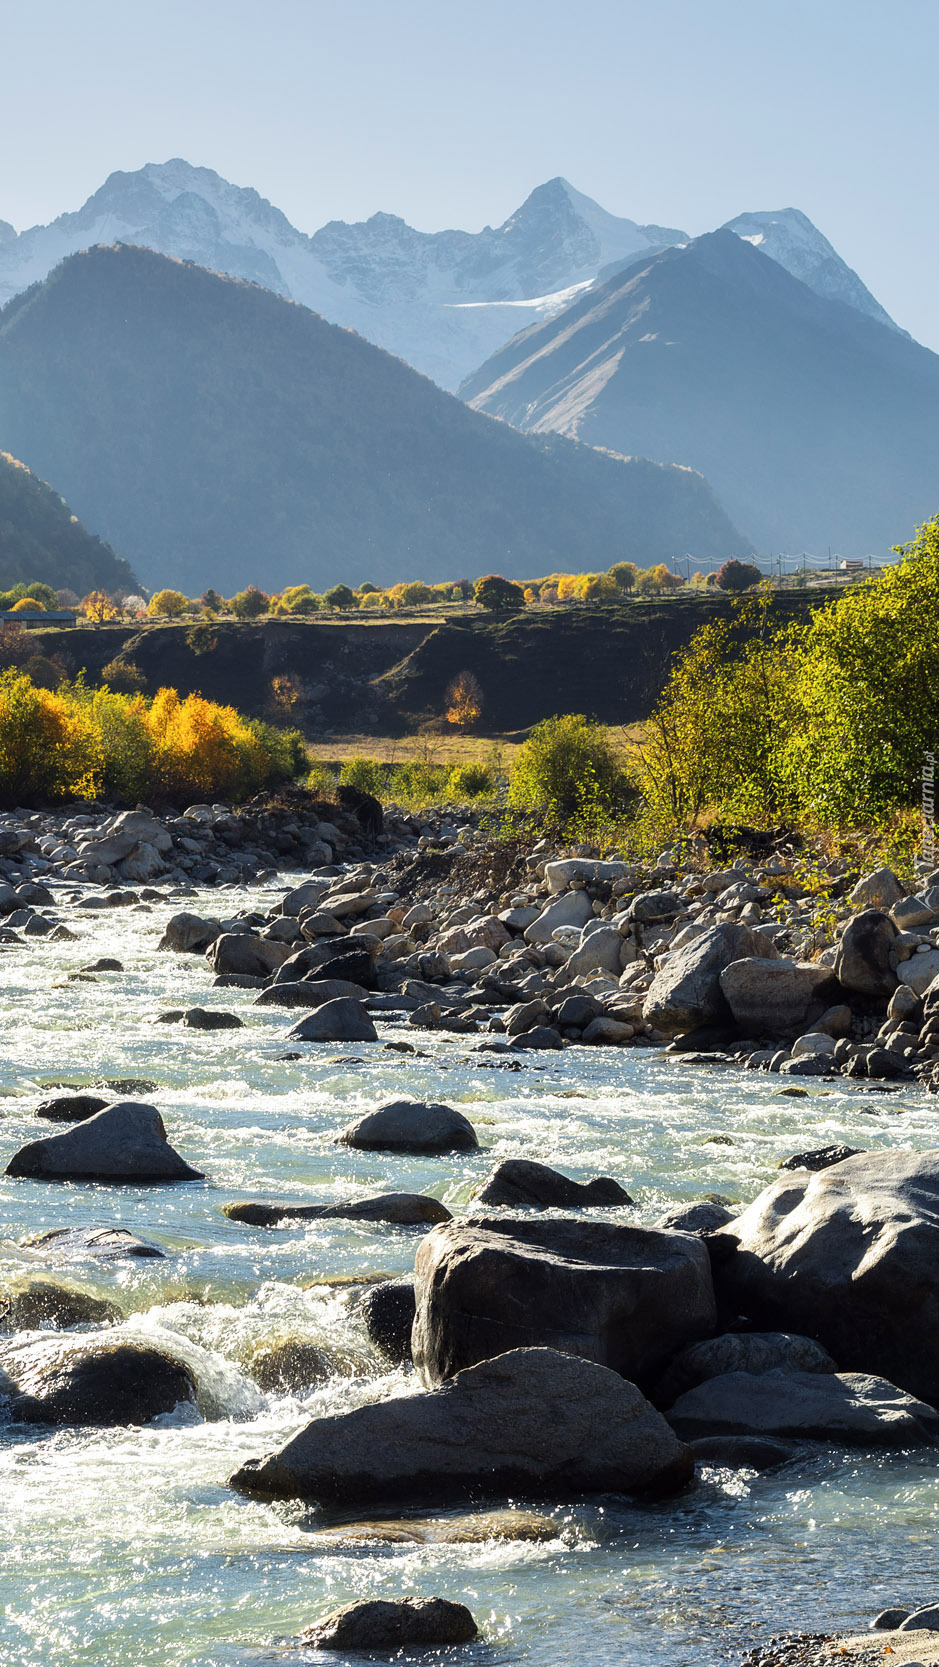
681 111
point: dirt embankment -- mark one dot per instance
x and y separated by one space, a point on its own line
391 676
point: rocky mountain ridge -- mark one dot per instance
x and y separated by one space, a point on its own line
444 301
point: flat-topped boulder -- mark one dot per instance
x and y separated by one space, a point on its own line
850 1256
91 1380
310 993
126 1142
627 1297
823 1406
70 1108
534 1421
411 1126
770 997
522 1181
686 993
404 1209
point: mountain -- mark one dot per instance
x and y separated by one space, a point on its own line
222 435
444 301
40 539
815 424
790 239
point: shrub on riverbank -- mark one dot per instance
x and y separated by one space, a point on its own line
822 725
72 741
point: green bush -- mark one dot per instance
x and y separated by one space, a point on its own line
567 768
367 774
320 780
469 781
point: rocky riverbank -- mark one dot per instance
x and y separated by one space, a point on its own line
535 1310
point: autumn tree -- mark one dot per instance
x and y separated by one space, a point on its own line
99 606
167 604
250 603
464 700
738 575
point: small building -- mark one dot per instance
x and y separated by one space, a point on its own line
54 616
851 564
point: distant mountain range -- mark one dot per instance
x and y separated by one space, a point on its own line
444 301
814 421
218 434
41 539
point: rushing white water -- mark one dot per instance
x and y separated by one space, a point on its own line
120 1548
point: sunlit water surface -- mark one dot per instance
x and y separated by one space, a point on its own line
120 1548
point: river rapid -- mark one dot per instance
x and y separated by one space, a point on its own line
125 1547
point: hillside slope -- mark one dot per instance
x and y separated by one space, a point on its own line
221 435
815 425
41 539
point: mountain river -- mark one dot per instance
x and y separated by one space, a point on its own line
122 1548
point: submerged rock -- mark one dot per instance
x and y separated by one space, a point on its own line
383 1624
479 1529
32 1303
628 1297
124 1143
211 1018
404 1209
70 1108
342 1019
388 1311
89 1381
290 1364
411 1126
76 1244
533 1421
519 1181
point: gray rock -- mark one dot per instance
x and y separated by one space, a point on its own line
601 951
849 1256
392 1625
388 1312
608 1032
572 908
242 952
211 1018
862 963
889 1619
755 1352
91 1381
543 1038
534 1421
521 1181
289 1365
822 1406
822 1158
126 1142
701 1217
70 1108
922 1620
561 873
651 906
777 998
404 1209
919 971
524 1015
686 992
310 993
879 890
340 1020
740 1452
628 1297
578 1010
190 934
101 1244
411 1126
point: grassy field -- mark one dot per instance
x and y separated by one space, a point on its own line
449 749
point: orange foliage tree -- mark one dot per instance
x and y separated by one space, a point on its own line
464 700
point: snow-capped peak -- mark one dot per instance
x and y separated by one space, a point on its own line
789 238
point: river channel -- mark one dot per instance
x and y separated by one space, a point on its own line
121 1548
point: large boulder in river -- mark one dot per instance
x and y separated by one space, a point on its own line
342 1019
824 1406
627 1297
777 998
849 1256
243 952
521 1181
862 964
754 1352
535 1422
387 1310
411 1126
126 1142
392 1626
686 991
309 993
30 1303
190 934
70 1108
93 1380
